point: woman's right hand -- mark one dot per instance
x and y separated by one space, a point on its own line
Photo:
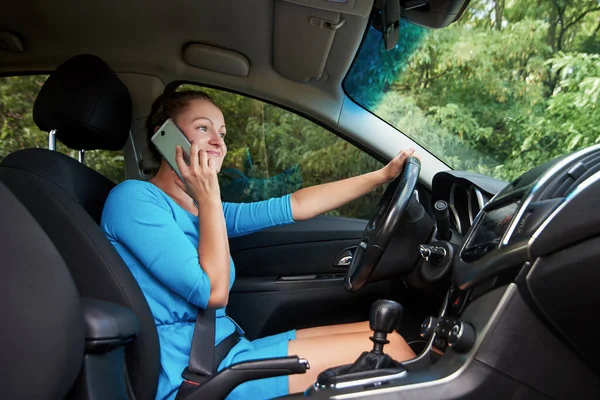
200 177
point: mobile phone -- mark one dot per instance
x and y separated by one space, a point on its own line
166 139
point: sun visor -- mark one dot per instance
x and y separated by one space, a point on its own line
216 59
361 8
302 40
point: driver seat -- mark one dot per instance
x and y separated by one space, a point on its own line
90 108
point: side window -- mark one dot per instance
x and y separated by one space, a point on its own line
18 131
273 152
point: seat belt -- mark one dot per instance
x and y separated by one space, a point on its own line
203 343
204 356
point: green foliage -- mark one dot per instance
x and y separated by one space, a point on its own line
18 131
504 89
375 69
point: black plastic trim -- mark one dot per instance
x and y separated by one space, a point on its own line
562 289
467 275
322 228
107 321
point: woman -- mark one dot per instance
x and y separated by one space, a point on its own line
173 236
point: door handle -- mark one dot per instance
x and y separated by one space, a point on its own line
344 258
344 261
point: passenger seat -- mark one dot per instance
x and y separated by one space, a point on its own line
89 108
42 331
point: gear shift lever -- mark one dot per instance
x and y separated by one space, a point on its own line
383 317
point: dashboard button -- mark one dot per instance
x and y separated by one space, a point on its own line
462 337
428 327
439 343
455 330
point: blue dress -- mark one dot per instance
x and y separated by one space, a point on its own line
158 241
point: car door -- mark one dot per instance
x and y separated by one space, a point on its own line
291 276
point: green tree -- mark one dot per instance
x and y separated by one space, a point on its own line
509 86
17 129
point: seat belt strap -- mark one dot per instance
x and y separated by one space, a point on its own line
203 343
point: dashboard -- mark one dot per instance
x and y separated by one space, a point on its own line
502 232
464 203
496 225
466 194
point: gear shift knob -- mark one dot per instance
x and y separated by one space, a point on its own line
384 315
383 318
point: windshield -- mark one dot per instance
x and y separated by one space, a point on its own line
510 85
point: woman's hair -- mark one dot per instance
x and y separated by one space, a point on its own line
169 105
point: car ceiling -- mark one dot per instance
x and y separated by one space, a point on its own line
148 37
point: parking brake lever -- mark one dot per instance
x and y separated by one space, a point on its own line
222 383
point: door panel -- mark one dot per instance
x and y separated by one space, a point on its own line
291 259
302 305
286 278
318 229
285 275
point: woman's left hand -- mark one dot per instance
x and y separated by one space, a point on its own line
395 167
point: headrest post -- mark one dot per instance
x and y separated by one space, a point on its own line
82 156
52 140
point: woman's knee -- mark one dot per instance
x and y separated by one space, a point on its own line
352 327
398 348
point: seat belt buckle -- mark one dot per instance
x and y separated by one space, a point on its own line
193 378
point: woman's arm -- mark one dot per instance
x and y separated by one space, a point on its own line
202 185
142 222
314 200
213 251
245 218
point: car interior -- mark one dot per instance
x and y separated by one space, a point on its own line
490 282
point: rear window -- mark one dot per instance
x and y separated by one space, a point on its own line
18 131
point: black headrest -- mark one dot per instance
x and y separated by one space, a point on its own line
86 103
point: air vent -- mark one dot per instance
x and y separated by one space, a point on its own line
566 181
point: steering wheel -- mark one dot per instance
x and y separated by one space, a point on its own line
382 225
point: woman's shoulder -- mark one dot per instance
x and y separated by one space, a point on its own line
133 191
133 184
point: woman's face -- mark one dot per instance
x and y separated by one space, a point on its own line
203 123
